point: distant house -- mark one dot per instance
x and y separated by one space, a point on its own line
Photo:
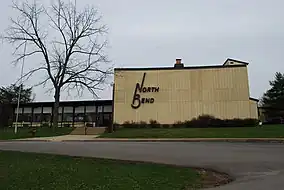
271 115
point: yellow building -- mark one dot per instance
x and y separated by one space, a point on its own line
179 93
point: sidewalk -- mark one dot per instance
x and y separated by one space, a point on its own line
61 138
95 138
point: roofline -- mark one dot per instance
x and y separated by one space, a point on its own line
182 68
238 61
254 99
66 102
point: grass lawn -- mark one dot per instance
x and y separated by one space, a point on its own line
8 133
268 131
27 171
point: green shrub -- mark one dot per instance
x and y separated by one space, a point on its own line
249 122
165 126
202 121
141 124
128 124
115 125
233 122
178 124
154 124
33 131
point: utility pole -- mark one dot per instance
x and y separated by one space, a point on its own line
20 90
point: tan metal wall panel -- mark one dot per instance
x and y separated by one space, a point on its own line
253 109
183 94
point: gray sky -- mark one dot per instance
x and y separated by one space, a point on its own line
201 32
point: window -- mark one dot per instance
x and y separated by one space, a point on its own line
47 110
27 117
20 110
80 109
60 109
108 108
79 117
68 117
68 114
27 110
37 117
90 117
37 114
59 117
100 109
68 109
90 109
46 116
107 119
20 117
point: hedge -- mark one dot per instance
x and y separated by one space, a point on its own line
203 121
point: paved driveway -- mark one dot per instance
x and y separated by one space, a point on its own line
255 166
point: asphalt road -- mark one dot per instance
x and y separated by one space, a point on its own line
254 166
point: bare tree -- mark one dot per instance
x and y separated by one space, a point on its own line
70 43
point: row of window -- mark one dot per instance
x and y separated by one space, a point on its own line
67 109
95 116
103 119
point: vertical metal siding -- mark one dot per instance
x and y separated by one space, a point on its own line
184 94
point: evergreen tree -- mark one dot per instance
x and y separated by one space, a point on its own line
273 98
10 94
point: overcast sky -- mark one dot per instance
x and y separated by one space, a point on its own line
201 32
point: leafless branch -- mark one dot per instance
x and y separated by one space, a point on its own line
29 74
23 55
70 41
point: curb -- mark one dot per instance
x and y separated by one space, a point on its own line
280 140
180 140
25 140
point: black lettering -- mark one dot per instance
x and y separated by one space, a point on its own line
138 88
136 99
157 89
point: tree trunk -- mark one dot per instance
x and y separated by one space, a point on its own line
55 109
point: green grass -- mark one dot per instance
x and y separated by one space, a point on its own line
268 131
27 171
8 133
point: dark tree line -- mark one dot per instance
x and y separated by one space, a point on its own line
9 96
